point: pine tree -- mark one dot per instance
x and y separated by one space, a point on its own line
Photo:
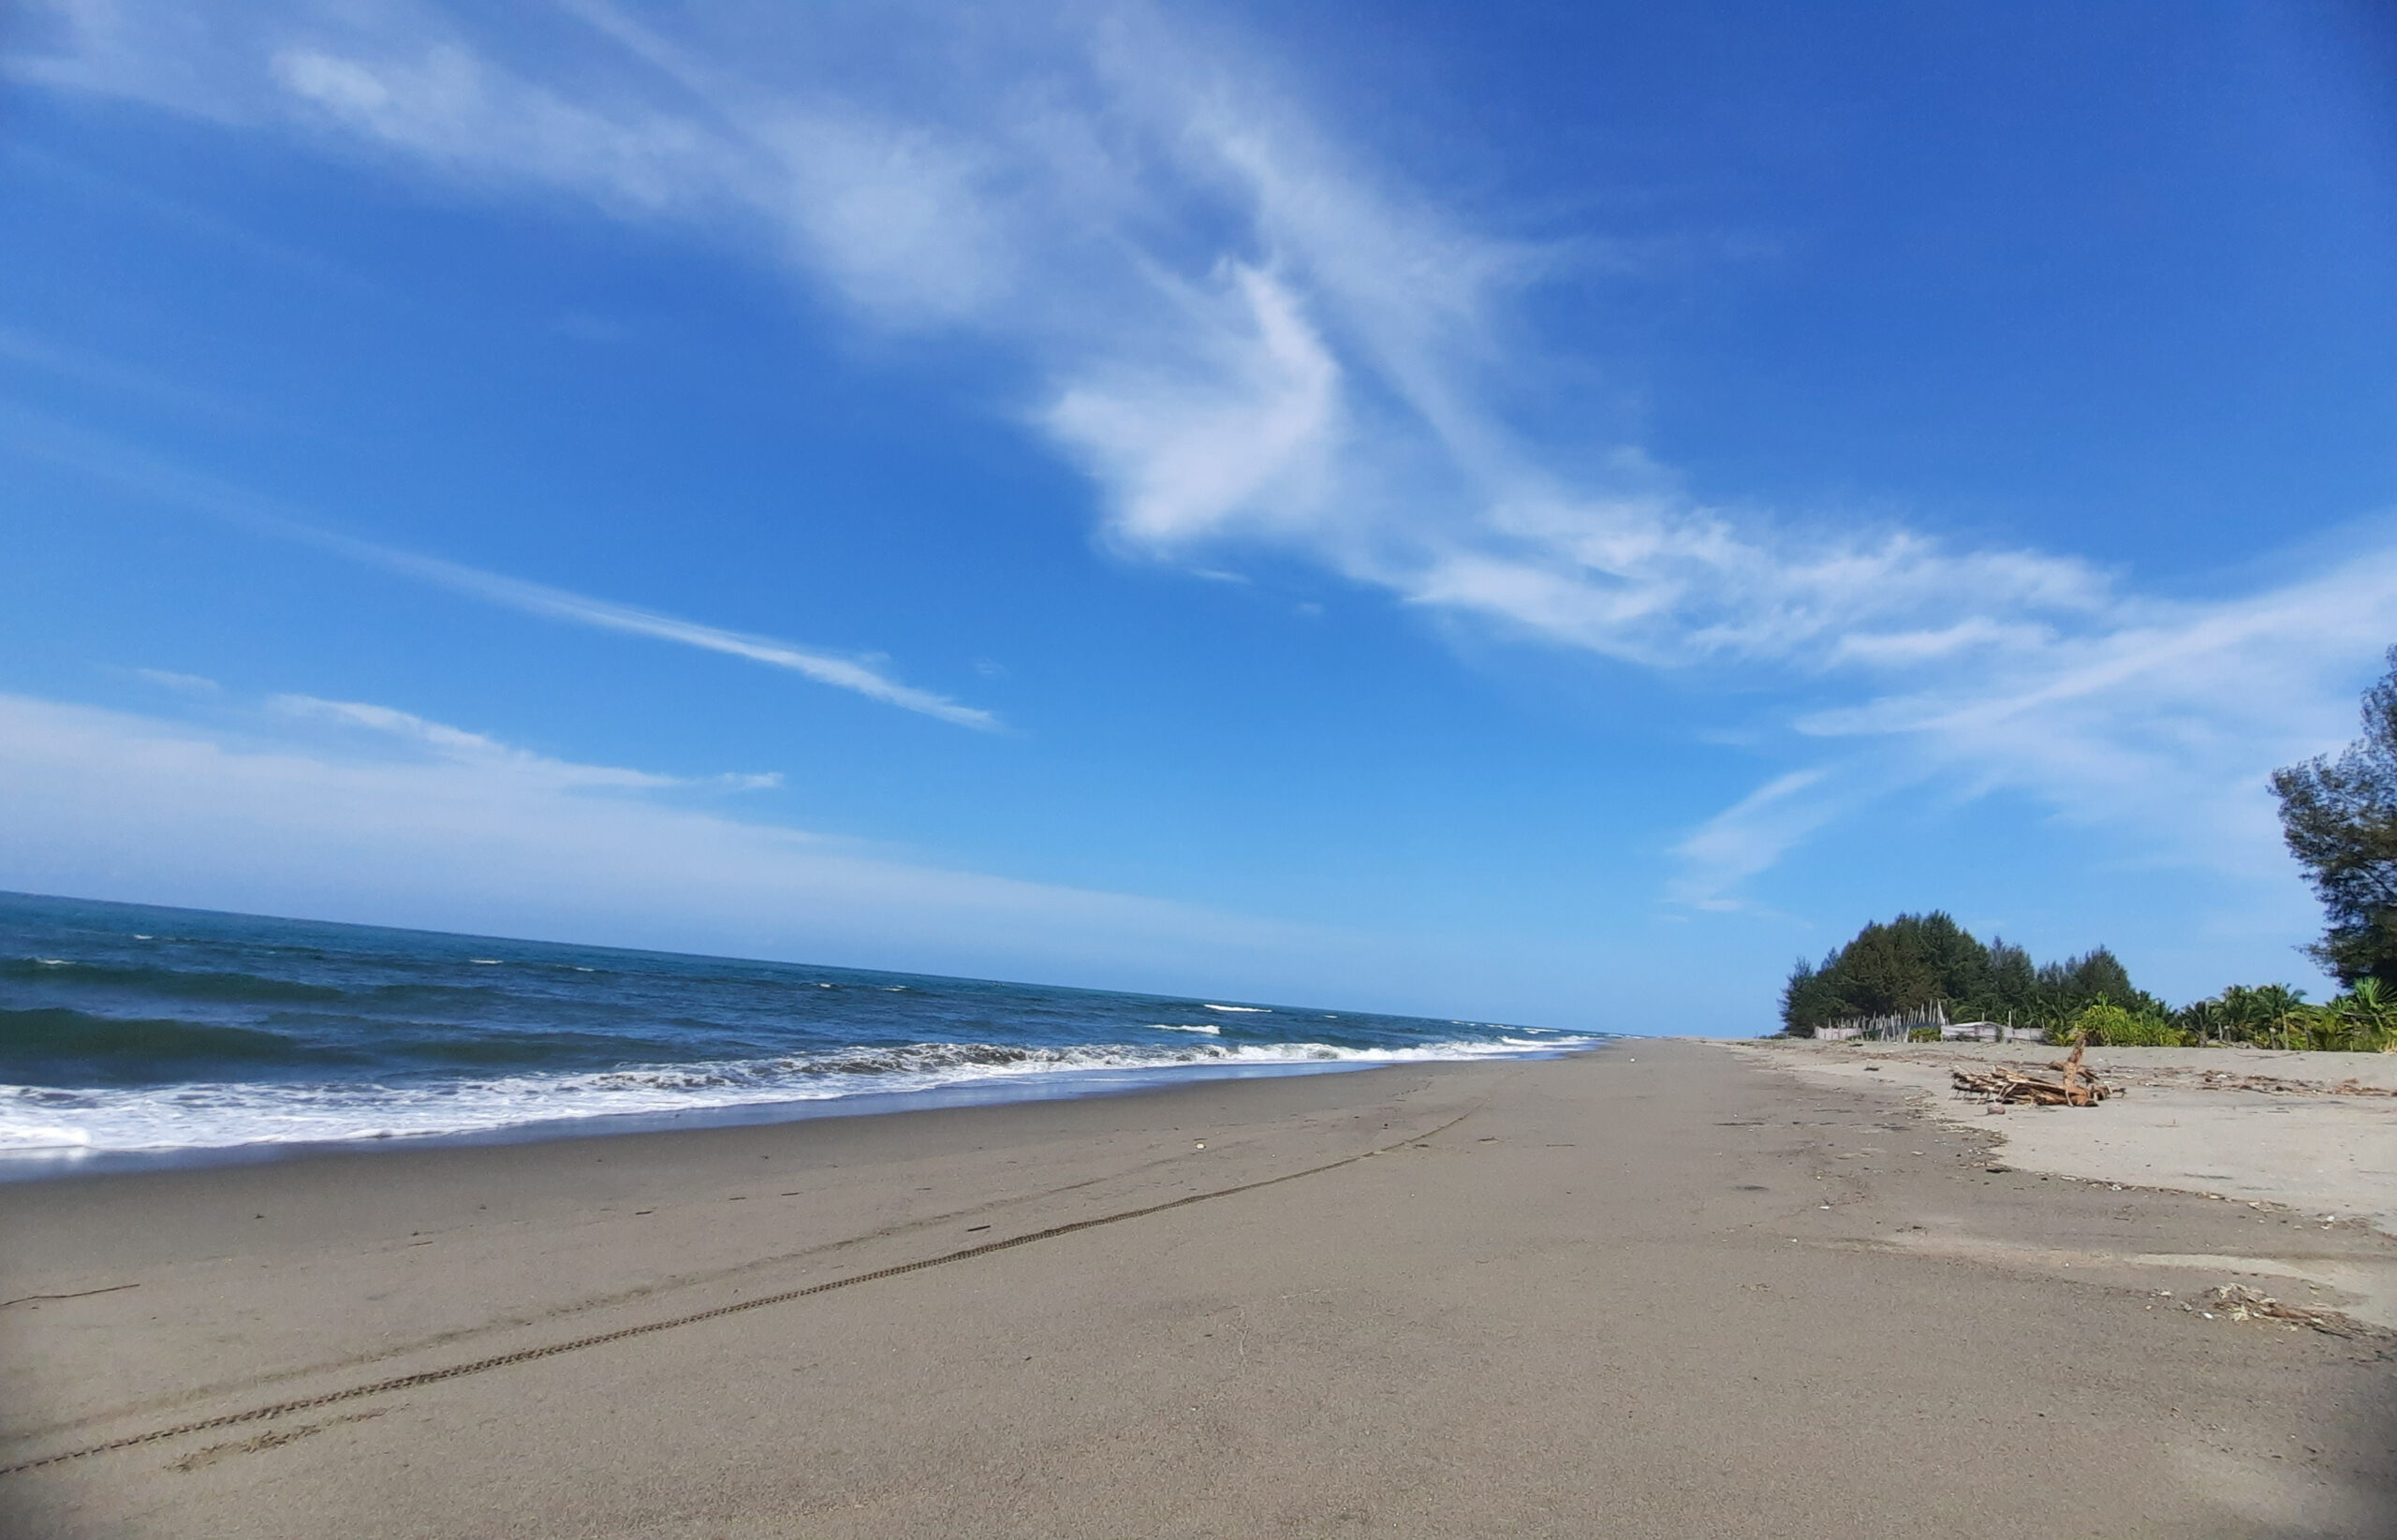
2340 819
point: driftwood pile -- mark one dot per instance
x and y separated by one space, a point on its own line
2079 1087
2241 1303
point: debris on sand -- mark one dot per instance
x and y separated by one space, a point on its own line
2079 1087
2219 1080
2241 1303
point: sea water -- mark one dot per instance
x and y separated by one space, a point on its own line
130 1034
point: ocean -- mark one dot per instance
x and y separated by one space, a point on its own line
135 1035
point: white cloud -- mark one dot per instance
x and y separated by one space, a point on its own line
2166 721
188 684
1249 336
474 749
425 824
121 463
558 604
82 367
1752 834
2159 728
1196 445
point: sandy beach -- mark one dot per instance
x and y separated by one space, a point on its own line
1665 1289
2314 1131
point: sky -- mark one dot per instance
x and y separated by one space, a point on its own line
1530 512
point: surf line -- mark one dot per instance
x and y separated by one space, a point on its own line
478 1366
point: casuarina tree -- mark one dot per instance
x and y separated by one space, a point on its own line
2340 816
1921 959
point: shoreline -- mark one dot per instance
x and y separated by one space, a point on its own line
1629 1292
135 1041
66 1163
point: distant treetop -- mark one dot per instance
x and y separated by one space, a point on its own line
2340 819
1917 960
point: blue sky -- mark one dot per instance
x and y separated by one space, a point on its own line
1530 512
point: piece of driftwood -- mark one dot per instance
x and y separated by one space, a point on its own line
2079 1087
2241 1303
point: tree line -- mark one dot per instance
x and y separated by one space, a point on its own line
2339 815
1918 961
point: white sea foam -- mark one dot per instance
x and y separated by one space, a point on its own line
1245 1010
1207 1027
41 1120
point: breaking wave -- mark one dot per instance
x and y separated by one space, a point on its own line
125 1029
219 1115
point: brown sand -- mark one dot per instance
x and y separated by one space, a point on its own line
2311 1130
1639 1293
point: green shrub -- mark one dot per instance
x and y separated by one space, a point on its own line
2363 1021
2147 1032
2109 1025
1922 1034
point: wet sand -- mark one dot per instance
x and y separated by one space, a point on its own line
1660 1290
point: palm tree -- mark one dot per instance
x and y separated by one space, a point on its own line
2282 1011
2361 1019
2204 1019
2243 1014
2332 1025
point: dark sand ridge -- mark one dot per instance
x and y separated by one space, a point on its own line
1594 1295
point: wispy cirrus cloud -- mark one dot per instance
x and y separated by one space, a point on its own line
850 674
2162 725
1751 834
81 367
486 752
1252 338
124 464
188 684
